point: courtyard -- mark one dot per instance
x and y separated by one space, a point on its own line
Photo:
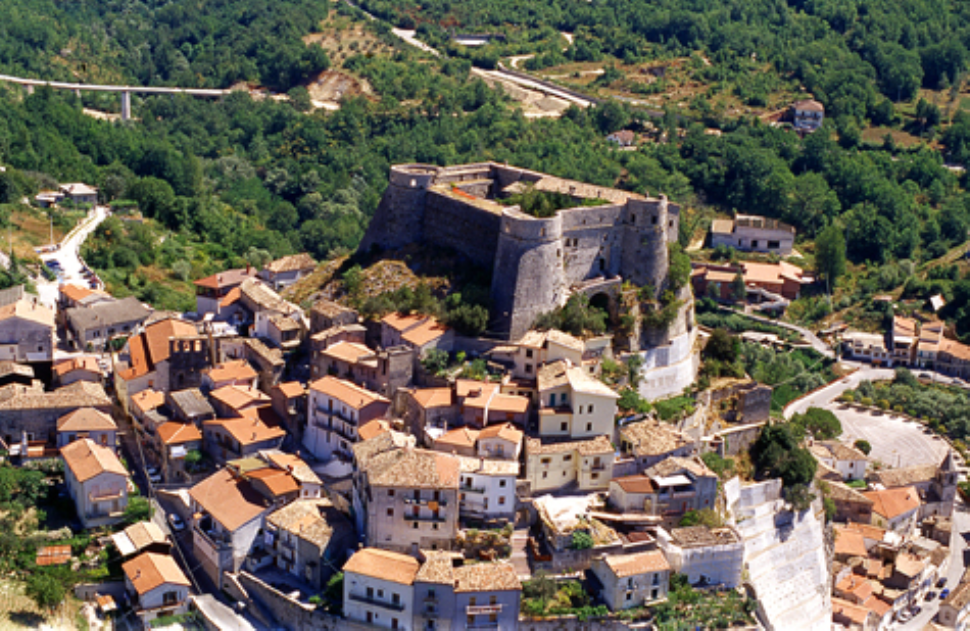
896 441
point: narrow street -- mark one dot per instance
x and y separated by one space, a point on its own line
69 257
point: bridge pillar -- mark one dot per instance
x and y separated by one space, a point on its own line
125 105
30 88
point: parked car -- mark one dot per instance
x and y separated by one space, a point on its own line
940 583
930 595
153 475
944 594
176 522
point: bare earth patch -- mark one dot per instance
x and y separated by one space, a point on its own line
19 612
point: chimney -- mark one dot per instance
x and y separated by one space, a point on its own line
137 574
254 436
481 463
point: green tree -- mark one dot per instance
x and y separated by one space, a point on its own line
182 269
863 446
818 423
739 290
722 346
45 590
138 509
776 454
830 255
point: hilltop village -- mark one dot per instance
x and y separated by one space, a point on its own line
259 463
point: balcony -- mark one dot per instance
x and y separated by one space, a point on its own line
377 603
424 501
484 624
472 489
428 518
106 496
483 610
598 466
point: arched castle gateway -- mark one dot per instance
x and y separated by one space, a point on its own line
539 262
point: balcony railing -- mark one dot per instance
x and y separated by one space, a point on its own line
484 624
473 489
424 501
598 466
482 610
105 496
377 603
429 518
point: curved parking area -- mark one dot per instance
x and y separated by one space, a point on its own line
896 442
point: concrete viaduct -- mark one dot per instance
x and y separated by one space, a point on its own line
125 90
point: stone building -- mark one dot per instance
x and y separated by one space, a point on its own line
335 411
379 588
404 498
284 272
633 580
31 413
707 556
586 464
91 327
753 233
97 481
310 539
383 371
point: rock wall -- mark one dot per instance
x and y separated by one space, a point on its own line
784 557
452 223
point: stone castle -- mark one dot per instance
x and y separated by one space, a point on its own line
538 263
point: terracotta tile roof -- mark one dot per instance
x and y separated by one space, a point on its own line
53 555
906 476
857 614
488 466
383 564
236 370
425 333
290 389
413 468
231 501
237 397
173 433
313 520
144 534
623 565
433 397
486 577
564 339
278 482
292 263
329 308
560 372
74 292
347 392
373 429
674 465
263 298
190 403
66 366
231 297
28 311
850 543
458 437
228 278
841 492
858 586
842 452
151 570
366 450
635 484
151 347
505 431
86 420
592 446
892 503
78 188
292 463
349 352
868 531
400 321
909 564
438 567
148 400
247 431
109 313
86 459
653 438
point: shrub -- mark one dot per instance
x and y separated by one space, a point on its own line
581 540
863 446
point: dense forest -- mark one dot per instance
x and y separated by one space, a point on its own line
223 179
851 55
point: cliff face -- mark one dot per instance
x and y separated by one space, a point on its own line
784 557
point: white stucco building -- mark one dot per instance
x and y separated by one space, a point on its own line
379 588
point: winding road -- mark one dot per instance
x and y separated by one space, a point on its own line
69 257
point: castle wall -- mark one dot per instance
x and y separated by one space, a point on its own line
645 231
453 223
528 276
398 220
592 243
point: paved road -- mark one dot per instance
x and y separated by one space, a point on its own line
810 337
68 255
827 394
959 557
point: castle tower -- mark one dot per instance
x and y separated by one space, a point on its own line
399 218
646 230
528 277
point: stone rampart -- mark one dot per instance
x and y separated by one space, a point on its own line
453 223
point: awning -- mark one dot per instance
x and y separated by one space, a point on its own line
124 544
673 480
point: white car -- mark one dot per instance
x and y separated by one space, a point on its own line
176 522
153 475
